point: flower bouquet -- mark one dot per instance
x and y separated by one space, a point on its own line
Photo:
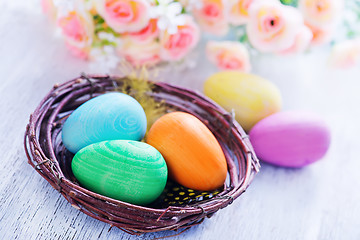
141 32
149 32
285 27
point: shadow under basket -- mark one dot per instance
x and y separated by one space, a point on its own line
47 155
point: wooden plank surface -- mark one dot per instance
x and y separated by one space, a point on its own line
321 201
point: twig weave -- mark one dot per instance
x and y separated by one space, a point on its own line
47 155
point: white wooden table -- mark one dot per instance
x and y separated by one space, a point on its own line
321 201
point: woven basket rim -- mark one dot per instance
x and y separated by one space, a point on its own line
41 156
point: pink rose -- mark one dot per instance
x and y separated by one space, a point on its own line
321 35
211 17
77 28
228 55
147 53
49 9
345 54
176 46
149 33
239 12
302 41
321 16
79 52
273 26
124 15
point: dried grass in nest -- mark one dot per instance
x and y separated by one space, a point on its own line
47 155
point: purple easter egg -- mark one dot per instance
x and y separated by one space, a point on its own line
290 139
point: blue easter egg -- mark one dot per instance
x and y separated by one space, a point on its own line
111 116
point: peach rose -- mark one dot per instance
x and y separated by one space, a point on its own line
321 16
176 46
79 52
124 15
149 33
321 13
147 53
239 11
211 16
272 26
302 41
228 55
77 28
345 54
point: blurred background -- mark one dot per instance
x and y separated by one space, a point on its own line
320 201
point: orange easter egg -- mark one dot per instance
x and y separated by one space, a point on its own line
192 153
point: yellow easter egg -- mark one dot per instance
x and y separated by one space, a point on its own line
252 97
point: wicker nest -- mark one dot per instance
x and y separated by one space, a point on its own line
52 161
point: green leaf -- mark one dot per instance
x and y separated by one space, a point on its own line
244 38
105 42
293 3
351 34
98 19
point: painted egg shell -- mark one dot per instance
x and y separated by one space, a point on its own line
290 139
252 97
192 153
130 171
110 116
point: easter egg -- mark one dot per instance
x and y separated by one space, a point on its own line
110 116
250 96
129 171
290 139
192 153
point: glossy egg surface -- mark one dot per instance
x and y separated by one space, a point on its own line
192 153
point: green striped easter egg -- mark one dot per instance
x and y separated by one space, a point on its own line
126 170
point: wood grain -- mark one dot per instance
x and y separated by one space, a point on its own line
321 201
